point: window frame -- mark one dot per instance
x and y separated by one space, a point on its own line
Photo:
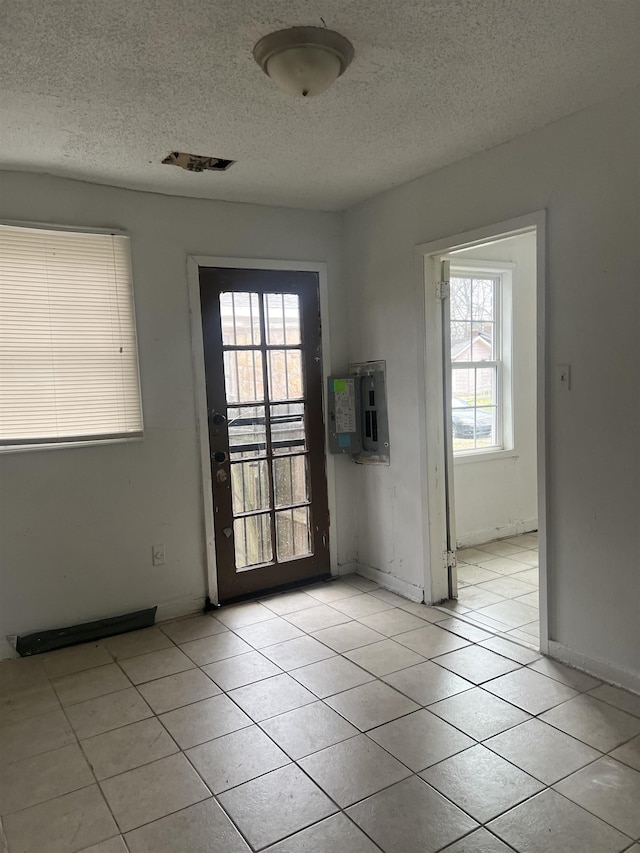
73 441
502 272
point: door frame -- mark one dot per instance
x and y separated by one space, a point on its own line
431 408
194 263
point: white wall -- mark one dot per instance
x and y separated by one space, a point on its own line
584 171
497 496
77 525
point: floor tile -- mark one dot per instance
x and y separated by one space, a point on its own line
136 643
241 615
530 691
384 657
268 633
361 605
393 598
353 770
236 758
128 747
295 653
154 665
349 635
241 669
330 676
103 713
594 722
34 736
629 753
202 828
153 791
334 833
480 841
531 576
501 548
22 674
289 602
548 823
42 777
64 825
332 591
271 697
218 647
521 636
511 613
174 691
476 664
479 714
482 783
510 650
392 622
482 621
250 806
423 611
531 599
580 681
420 740
609 790
529 558
204 720
308 729
465 630
195 628
113 845
542 751
363 584
91 683
475 598
431 641
23 703
532 629
427 682
411 817
316 618
507 587
621 699
471 574
501 565
75 659
471 555
371 705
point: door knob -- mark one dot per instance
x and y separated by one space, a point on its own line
218 418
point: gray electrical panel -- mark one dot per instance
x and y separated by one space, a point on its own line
358 421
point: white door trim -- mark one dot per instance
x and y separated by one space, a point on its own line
431 404
194 262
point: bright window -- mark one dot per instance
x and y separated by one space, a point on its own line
477 365
68 352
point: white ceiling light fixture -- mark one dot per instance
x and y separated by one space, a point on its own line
304 61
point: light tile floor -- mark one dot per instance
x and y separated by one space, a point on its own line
498 587
338 718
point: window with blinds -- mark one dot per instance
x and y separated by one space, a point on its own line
68 353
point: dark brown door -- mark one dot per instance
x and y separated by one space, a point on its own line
261 331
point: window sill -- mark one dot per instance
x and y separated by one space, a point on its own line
66 445
484 456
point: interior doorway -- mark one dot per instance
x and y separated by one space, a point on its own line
263 373
485 434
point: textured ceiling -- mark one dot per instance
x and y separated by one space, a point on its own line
102 90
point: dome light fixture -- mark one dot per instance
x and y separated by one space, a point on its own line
304 61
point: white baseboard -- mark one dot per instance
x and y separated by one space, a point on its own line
504 531
388 581
345 569
599 669
176 609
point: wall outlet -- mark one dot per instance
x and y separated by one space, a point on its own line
157 555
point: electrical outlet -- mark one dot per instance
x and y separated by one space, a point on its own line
157 555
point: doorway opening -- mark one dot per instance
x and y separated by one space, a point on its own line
485 427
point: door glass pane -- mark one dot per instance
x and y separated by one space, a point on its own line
290 480
240 319
249 486
247 432
252 540
243 376
285 374
292 533
282 318
287 428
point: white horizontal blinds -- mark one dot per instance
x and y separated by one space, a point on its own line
68 355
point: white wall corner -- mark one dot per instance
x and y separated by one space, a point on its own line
388 581
599 669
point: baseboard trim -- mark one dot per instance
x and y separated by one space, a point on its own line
388 581
482 537
177 609
599 669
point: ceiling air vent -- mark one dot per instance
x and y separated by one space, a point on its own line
196 162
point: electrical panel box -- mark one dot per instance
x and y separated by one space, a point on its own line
358 421
344 415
